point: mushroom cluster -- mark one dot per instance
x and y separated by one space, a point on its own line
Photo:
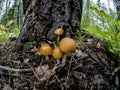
66 45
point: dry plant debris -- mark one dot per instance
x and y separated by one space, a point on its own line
90 67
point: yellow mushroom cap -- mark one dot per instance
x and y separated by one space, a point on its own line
57 53
45 49
58 31
67 45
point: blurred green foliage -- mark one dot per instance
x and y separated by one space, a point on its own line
9 13
10 16
6 30
107 29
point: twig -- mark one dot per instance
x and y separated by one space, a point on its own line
69 69
62 86
34 72
37 50
16 70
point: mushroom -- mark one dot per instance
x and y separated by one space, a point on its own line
67 45
45 49
58 32
57 53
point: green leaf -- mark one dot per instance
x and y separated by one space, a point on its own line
6 29
2 33
118 36
9 23
108 18
94 9
102 13
2 27
118 22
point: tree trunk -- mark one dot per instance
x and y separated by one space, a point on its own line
42 17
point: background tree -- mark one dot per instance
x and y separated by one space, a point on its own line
13 11
42 17
117 4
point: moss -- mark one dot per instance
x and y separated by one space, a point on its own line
29 45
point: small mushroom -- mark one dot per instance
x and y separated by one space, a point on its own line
57 53
58 31
67 45
45 49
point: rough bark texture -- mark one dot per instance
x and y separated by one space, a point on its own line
43 16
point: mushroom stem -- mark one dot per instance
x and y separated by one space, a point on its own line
46 57
64 59
58 39
58 62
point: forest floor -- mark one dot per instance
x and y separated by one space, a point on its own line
90 67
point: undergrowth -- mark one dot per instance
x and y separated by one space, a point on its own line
107 29
6 30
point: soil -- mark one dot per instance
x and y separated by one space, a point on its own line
90 67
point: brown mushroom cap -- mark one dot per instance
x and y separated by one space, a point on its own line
45 49
67 45
57 53
58 31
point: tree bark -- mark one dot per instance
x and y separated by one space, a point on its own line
42 17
